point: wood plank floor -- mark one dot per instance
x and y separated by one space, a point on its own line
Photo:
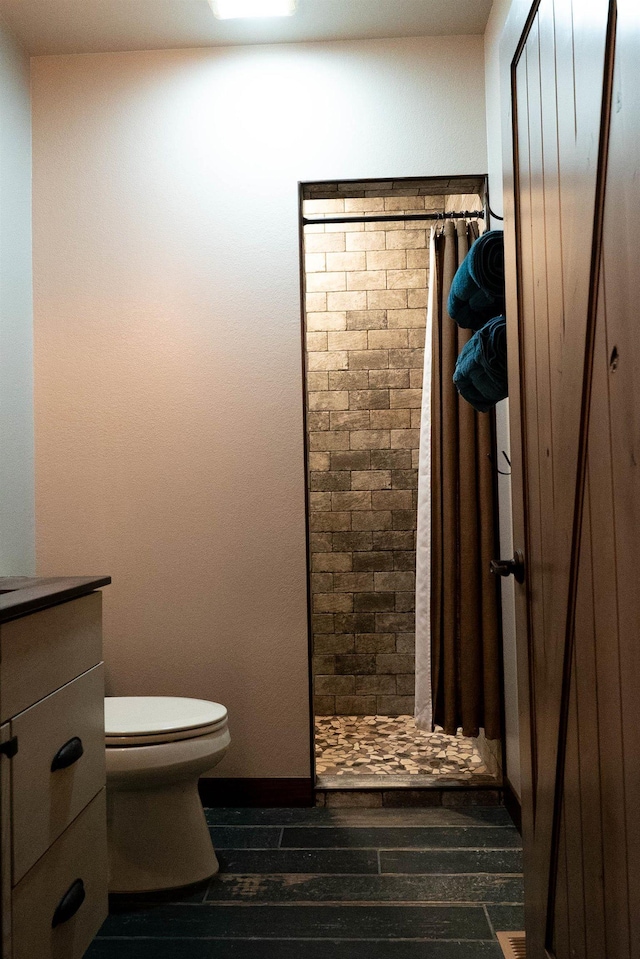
340 883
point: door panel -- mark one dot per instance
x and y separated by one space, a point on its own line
529 401
610 727
621 292
561 941
558 76
574 70
571 840
590 794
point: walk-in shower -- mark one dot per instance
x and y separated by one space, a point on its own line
366 249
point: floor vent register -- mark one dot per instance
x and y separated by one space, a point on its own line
513 944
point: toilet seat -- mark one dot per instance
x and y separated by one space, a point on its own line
149 720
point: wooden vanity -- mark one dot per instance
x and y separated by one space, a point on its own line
53 866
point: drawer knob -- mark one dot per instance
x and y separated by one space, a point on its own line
69 904
68 754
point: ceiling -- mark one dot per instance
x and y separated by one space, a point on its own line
94 26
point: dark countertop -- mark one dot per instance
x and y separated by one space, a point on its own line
20 595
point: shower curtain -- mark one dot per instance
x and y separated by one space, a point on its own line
458 654
424 699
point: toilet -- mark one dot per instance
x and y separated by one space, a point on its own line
157 747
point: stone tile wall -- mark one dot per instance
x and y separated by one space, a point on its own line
366 295
451 187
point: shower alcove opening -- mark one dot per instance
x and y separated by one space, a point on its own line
365 304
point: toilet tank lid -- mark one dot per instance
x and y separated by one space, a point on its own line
145 715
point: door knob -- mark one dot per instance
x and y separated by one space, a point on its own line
509 567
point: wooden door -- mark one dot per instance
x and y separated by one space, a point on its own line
572 165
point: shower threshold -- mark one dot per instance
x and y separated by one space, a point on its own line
399 781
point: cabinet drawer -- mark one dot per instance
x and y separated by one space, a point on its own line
45 650
45 801
79 854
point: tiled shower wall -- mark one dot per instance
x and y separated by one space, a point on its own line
366 294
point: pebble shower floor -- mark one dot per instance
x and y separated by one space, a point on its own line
392 745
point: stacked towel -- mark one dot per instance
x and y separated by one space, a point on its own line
481 370
477 291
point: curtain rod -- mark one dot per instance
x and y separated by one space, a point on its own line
467 214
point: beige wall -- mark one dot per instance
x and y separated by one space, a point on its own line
497 19
493 32
167 349
17 536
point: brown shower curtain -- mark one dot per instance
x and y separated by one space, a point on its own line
465 623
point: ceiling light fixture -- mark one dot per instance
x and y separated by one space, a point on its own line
234 9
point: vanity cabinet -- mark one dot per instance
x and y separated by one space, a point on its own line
53 870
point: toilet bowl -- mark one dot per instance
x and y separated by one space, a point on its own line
157 747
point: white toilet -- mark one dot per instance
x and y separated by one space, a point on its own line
157 747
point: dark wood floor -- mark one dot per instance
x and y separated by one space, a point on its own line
337 884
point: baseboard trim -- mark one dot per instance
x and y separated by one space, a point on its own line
512 805
257 792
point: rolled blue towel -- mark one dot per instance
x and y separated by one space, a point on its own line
486 262
481 369
477 290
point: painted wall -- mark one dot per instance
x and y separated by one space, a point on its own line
167 348
493 32
492 35
17 543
